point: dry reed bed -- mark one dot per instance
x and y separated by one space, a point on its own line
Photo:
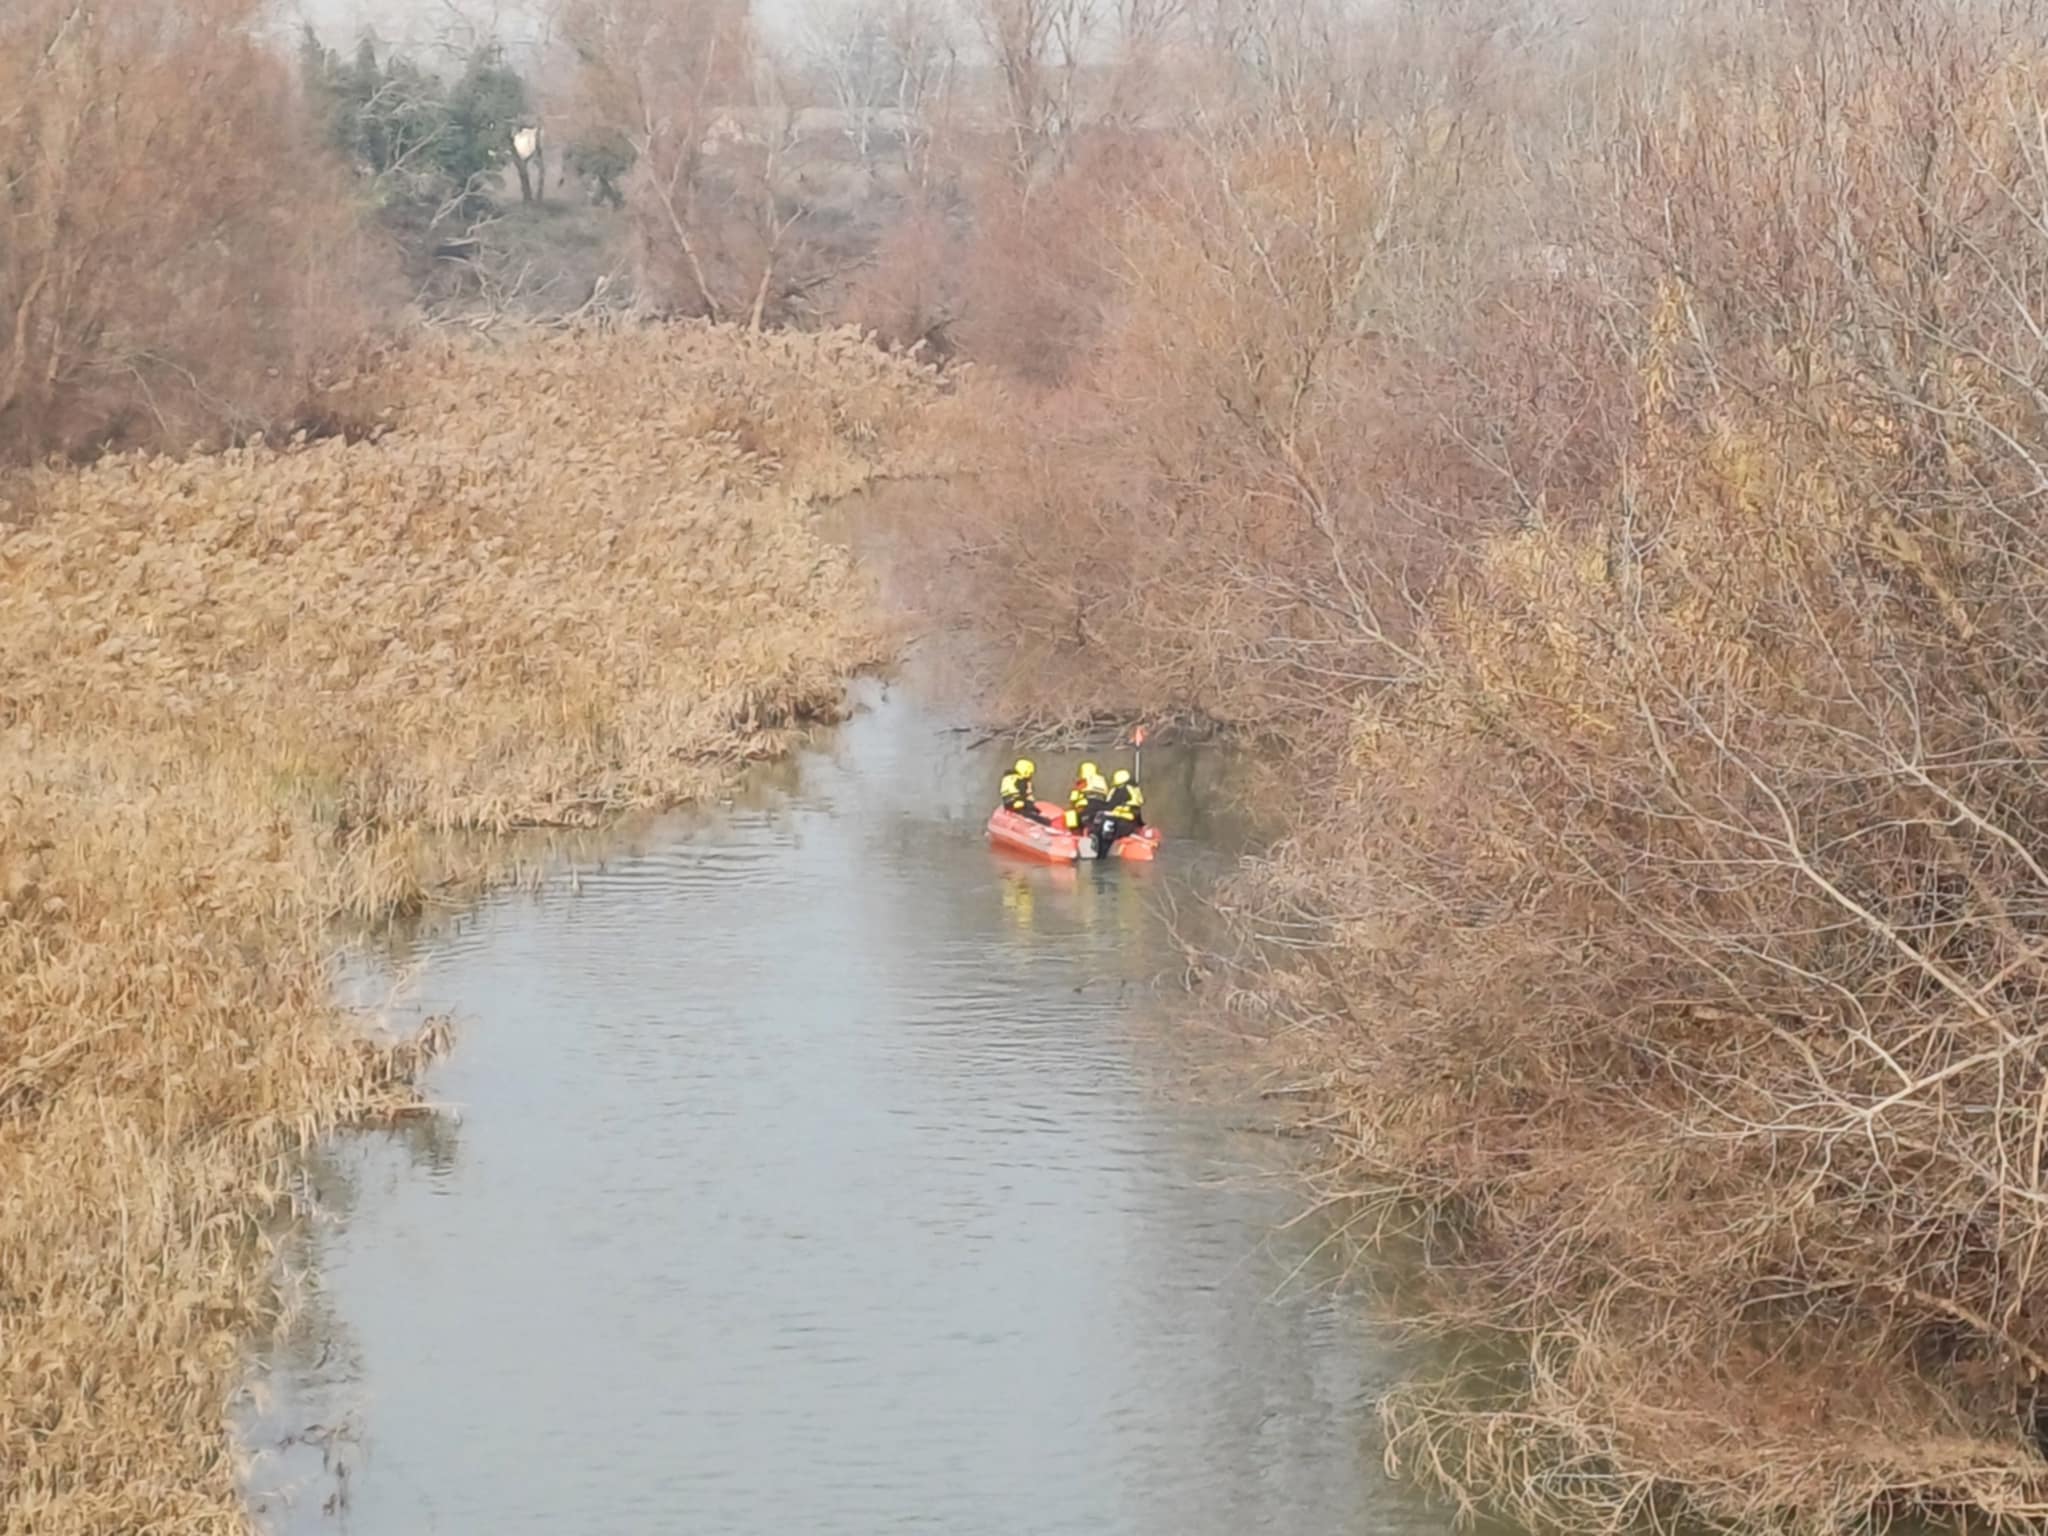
237 694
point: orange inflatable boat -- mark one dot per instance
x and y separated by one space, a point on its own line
1141 844
1054 844
1032 839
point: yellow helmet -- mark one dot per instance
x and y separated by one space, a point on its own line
1121 777
1088 771
1025 768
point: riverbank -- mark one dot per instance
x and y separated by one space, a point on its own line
574 577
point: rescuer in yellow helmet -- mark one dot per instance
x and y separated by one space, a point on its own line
1087 798
1123 812
1017 791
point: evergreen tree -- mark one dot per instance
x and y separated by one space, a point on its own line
485 108
390 117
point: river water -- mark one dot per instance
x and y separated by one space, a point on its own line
811 1167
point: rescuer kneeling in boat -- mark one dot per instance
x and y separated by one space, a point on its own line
1123 812
1087 799
1017 792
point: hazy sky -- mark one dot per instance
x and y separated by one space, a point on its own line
420 25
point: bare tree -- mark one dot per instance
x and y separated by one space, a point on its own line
154 287
1039 48
666 75
765 203
892 64
848 50
1610 458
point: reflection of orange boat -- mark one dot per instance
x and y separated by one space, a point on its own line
1054 844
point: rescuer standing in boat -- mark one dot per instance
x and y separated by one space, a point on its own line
1017 792
1088 797
1123 812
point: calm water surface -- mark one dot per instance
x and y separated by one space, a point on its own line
815 1169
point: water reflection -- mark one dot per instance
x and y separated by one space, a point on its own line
812 1174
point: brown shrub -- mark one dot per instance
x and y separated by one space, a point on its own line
1032 280
1244 487
909 296
1680 918
176 264
1621 498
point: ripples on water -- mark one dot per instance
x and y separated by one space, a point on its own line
813 1174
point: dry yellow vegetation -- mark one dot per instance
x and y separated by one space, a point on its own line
239 694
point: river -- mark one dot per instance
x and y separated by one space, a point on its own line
810 1167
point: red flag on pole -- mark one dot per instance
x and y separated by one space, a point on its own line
1138 737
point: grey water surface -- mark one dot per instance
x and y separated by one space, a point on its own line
811 1167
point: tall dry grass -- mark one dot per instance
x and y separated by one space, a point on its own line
238 693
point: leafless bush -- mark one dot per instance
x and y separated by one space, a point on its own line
727 224
1244 486
1682 923
173 262
1610 458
